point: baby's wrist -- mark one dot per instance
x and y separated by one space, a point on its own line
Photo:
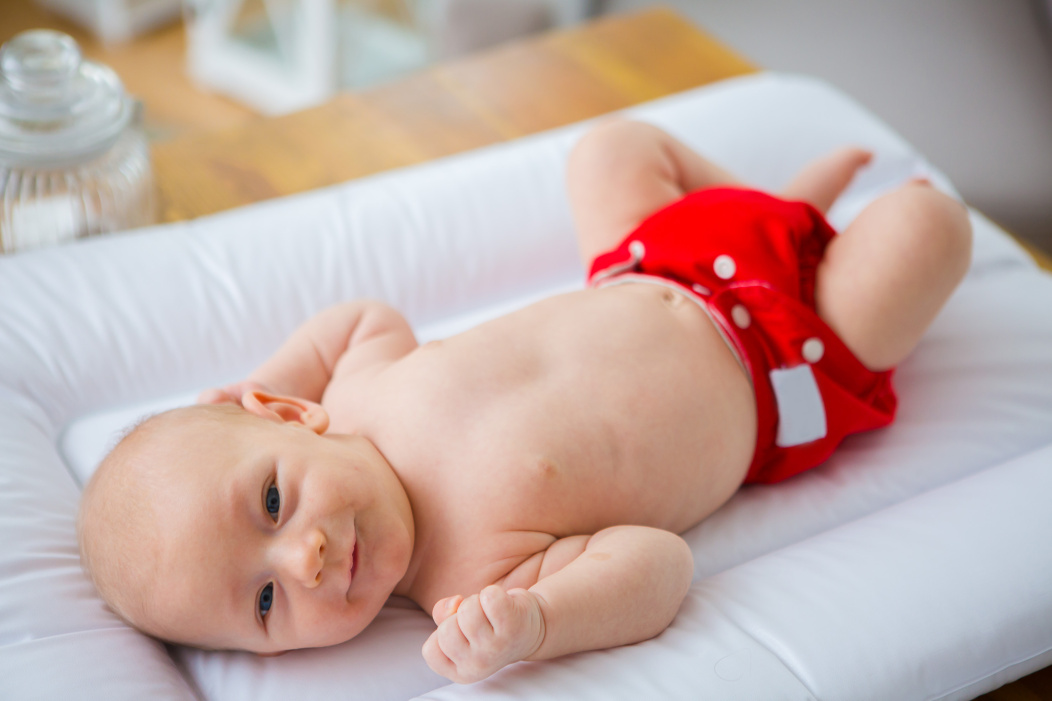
538 628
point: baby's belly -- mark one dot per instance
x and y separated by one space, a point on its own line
630 408
675 410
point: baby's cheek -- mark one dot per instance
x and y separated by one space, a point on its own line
324 625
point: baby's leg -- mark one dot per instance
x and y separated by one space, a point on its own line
822 180
883 280
621 172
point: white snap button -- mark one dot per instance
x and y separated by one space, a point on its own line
814 349
725 267
638 250
741 316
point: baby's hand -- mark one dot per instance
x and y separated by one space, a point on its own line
231 394
478 635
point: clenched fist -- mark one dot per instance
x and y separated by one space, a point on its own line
478 635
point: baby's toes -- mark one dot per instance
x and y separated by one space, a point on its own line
858 152
854 157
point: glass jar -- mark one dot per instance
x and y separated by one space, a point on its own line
73 158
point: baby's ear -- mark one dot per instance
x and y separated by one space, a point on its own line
280 408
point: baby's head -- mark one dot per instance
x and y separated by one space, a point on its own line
229 527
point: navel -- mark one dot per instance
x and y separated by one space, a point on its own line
546 469
671 298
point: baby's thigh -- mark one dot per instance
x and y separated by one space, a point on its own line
619 173
883 280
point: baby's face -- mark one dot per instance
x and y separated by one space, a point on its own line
271 537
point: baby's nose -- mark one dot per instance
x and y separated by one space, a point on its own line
304 557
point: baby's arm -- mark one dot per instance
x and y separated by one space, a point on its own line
620 586
366 331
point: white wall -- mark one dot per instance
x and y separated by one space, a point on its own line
969 82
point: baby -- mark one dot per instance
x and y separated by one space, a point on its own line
525 481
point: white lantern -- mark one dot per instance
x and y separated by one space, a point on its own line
275 55
283 55
116 20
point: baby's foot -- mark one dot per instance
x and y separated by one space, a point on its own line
846 161
823 179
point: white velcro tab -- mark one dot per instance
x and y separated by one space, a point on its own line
801 413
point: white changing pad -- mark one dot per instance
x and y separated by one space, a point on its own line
914 564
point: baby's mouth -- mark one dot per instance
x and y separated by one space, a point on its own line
354 562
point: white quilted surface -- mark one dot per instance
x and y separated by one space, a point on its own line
914 564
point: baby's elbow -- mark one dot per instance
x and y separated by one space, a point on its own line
679 573
684 566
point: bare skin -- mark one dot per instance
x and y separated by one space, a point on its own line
550 457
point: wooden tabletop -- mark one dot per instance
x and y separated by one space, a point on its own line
517 89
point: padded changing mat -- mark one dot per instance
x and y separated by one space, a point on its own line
913 564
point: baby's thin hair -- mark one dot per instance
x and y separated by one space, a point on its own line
107 496
118 436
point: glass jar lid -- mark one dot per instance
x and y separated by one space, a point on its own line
55 108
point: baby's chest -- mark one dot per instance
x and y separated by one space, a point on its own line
554 493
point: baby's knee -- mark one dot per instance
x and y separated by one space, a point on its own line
943 231
612 132
952 228
613 143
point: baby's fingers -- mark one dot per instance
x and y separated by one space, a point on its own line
215 396
444 608
232 393
473 621
452 642
500 608
516 616
437 660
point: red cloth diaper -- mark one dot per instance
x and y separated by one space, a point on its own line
750 260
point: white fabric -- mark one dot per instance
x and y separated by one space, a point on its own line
913 564
801 412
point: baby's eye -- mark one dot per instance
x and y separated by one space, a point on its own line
273 502
266 598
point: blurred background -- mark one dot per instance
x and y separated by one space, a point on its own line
969 82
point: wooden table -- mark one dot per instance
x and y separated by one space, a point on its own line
518 89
